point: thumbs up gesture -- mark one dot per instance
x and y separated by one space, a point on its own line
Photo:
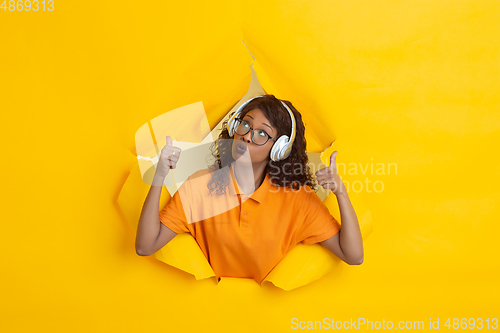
168 158
329 178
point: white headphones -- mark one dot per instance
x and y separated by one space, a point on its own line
282 147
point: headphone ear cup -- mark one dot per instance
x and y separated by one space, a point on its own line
286 151
230 125
279 148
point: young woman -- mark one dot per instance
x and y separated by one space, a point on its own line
257 200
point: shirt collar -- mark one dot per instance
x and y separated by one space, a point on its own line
257 195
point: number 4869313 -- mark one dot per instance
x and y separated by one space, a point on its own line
471 323
27 5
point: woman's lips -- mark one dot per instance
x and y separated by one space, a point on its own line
241 147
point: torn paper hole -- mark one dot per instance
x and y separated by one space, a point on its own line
300 266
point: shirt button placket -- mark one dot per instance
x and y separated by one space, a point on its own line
244 225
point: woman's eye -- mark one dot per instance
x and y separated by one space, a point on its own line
261 133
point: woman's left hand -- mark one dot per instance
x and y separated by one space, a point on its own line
329 178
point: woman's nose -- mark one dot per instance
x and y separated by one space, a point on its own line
248 137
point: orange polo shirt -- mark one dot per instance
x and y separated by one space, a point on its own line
246 236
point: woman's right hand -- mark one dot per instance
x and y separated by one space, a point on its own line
168 158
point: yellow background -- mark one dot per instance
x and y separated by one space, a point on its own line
414 83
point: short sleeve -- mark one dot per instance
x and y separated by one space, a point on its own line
173 215
317 223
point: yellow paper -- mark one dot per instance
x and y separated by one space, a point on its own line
413 83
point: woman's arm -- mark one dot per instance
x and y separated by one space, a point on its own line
347 244
152 235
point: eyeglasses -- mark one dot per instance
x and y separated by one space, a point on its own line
260 139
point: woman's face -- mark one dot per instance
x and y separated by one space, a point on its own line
258 154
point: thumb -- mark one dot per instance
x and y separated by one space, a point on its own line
333 162
169 140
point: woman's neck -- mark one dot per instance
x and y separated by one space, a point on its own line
248 176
